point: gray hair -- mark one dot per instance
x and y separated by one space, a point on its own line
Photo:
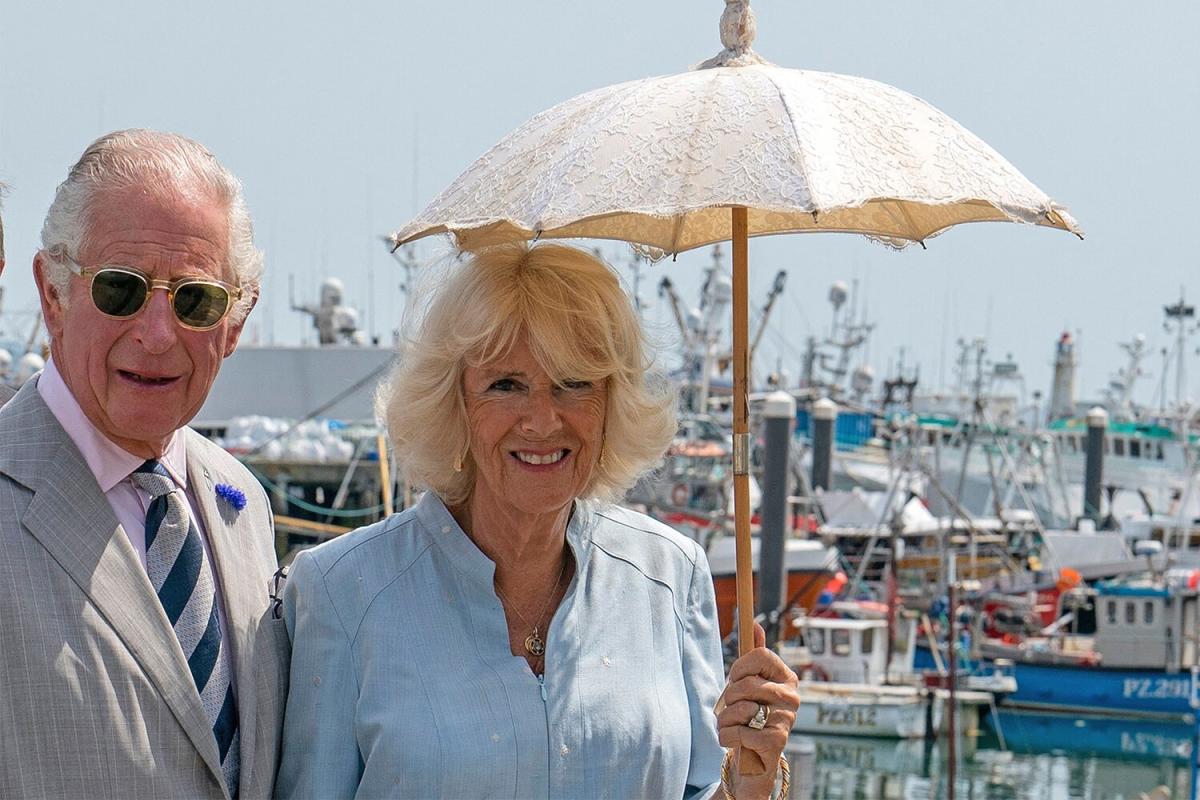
157 162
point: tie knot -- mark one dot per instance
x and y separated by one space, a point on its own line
153 478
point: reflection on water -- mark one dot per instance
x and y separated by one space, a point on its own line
1047 758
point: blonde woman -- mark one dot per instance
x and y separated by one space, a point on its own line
515 634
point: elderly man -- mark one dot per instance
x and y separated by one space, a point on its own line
138 651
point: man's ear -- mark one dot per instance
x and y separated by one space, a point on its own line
234 332
52 306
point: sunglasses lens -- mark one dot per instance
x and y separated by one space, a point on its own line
117 293
201 305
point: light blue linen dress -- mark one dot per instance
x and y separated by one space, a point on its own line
403 683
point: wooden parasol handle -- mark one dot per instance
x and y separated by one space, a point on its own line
748 762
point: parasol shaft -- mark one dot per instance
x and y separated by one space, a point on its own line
741 434
748 761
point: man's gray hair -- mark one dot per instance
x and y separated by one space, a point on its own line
157 162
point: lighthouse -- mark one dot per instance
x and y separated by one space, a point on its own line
1062 393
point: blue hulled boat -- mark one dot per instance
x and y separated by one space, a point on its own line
1129 649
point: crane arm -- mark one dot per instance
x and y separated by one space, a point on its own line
776 290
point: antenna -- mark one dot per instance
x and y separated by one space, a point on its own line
1179 314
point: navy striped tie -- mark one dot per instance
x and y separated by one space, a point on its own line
182 577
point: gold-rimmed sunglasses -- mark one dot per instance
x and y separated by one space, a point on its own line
122 292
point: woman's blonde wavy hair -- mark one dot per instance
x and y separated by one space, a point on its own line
580 325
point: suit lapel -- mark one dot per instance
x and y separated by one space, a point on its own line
74 522
243 599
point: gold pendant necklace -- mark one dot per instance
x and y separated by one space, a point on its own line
535 645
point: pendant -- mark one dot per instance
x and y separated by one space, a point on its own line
535 645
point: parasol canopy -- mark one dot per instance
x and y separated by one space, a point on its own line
659 161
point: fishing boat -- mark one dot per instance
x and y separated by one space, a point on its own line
692 488
1124 647
847 709
850 687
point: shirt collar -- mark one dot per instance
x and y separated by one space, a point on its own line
108 462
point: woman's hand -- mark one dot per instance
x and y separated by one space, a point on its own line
759 678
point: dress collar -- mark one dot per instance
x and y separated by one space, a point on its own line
469 560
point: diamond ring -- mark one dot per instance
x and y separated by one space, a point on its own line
759 720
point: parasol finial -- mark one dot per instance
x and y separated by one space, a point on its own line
738 26
737 34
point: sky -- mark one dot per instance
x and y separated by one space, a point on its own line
342 120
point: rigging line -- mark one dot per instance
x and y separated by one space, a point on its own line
292 500
318 410
781 341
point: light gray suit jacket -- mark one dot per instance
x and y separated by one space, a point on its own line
6 393
95 695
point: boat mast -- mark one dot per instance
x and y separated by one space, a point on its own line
1120 386
1179 314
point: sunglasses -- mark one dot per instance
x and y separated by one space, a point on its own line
122 292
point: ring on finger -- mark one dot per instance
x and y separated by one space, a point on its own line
759 720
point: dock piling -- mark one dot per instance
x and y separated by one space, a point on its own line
779 414
824 414
1097 426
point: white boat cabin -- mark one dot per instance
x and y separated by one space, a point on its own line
1146 624
856 650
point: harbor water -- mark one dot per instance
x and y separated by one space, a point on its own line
1037 757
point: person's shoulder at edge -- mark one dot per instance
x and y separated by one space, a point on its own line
656 549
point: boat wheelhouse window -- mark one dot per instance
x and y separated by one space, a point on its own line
868 640
1110 612
1135 448
1085 620
1148 613
1118 447
839 642
1130 612
816 641
1158 453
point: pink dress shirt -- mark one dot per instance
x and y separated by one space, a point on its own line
112 466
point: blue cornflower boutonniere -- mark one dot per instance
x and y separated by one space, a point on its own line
232 496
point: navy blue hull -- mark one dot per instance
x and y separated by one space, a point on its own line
1124 692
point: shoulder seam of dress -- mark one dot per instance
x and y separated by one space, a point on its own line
375 595
660 581
333 606
696 552
390 525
